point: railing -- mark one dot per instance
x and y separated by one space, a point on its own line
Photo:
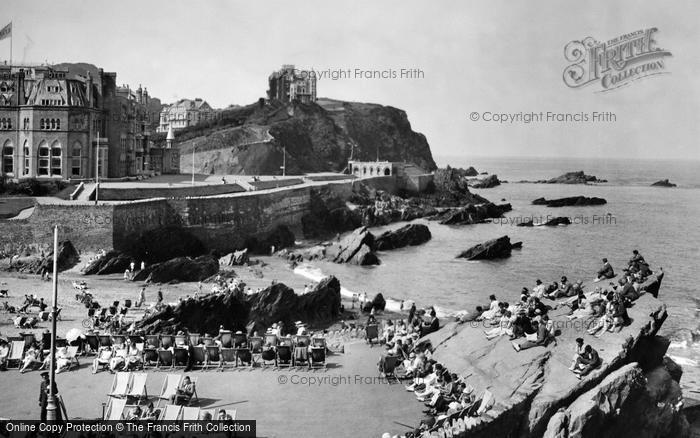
78 190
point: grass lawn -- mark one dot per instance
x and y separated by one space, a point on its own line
10 207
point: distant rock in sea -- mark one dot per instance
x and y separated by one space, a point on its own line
409 235
491 249
569 178
470 171
663 183
572 201
471 214
486 183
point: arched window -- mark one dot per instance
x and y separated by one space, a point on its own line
76 158
58 124
364 171
371 171
53 123
8 160
387 172
41 124
44 157
56 159
26 158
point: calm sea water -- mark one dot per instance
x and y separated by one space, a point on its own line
661 223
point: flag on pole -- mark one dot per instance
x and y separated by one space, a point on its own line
6 31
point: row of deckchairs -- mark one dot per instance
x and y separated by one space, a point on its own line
17 349
118 409
127 385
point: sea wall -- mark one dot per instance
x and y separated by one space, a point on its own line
128 194
222 223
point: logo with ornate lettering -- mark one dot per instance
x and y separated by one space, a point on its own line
614 63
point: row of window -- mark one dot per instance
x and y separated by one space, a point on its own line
50 124
49 160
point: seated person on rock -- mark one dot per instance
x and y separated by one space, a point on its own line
606 271
565 289
430 326
493 311
539 341
636 260
578 353
589 361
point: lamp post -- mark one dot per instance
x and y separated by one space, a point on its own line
97 169
51 406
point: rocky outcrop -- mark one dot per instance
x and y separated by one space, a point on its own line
663 183
628 402
485 183
67 258
113 262
356 248
179 269
536 394
471 214
236 258
559 220
451 189
572 201
570 178
257 312
470 171
409 235
491 249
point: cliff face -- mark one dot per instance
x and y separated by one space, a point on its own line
317 137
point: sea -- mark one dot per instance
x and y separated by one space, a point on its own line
662 223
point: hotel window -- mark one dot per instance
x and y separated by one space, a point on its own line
75 161
53 123
58 124
56 159
44 157
26 159
8 161
41 124
26 123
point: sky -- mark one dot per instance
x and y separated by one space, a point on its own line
483 57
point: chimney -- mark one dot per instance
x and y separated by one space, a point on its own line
88 83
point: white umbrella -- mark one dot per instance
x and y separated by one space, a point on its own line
74 334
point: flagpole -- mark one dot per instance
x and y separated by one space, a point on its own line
51 405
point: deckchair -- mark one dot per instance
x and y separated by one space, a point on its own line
120 385
16 354
180 357
126 411
165 359
194 395
72 356
240 340
190 414
193 339
228 358
105 340
93 342
211 412
226 339
213 356
271 339
166 341
169 388
256 345
118 339
371 332
115 409
180 341
138 386
317 357
284 356
318 342
171 413
199 356
149 358
152 341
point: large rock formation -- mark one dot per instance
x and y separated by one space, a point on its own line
471 214
67 258
113 262
409 235
663 183
280 237
491 249
356 248
572 201
164 243
317 137
535 391
254 313
179 269
485 183
236 258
